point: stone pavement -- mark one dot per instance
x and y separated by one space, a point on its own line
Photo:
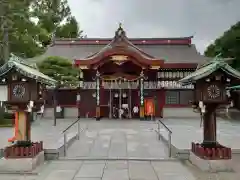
109 139
43 130
115 139
123 170
186 131
110 170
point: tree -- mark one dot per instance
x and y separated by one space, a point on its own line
60 69
18 34
55 18
26 38
228 45
69 30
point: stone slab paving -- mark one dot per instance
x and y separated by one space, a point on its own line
118 139
186 131
43 130
124 170
200 175
126 139
110 170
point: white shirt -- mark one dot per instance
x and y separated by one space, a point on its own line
58 109
121 111
135 109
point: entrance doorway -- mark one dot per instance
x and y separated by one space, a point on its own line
115 104
120 104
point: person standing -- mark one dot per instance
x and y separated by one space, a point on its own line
135 111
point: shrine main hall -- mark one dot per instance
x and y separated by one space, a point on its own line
127 73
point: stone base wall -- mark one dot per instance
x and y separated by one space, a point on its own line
69 112
180 112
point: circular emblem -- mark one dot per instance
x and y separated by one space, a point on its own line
213 91
19 91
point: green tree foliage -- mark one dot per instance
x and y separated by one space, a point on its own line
55 18
228 45
28 38
22 33
50 13
69 30
60 69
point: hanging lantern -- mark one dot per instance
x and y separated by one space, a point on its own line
116 95
124 95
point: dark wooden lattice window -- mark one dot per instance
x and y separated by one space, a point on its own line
172 97
181 97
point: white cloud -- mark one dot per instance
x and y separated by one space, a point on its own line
205 19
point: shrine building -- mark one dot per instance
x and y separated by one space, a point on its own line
123 72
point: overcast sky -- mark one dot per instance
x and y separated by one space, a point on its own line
205 19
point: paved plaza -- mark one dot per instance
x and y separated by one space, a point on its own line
111 170
187 131
43 130
121 150
121 139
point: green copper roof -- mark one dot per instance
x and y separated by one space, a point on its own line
207 69
27 70
234 87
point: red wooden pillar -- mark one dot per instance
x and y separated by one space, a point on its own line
161 102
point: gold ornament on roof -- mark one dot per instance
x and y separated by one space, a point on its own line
119 59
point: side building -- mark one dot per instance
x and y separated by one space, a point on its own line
122 72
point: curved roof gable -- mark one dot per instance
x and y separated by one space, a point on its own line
120 40
209 68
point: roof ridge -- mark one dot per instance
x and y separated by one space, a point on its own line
120 36
20 60
131 38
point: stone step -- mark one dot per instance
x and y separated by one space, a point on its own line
116 159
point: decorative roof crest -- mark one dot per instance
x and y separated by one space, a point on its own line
120 32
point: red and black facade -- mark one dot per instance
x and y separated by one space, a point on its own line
126 72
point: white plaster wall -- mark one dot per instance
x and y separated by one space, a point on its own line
179 113
48 113
3 93
71 112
